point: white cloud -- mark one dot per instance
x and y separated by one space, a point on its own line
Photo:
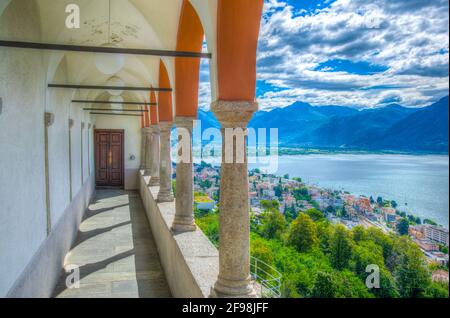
410 37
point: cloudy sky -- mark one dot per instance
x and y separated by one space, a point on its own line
355 53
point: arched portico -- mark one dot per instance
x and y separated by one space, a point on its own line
165 114
231 29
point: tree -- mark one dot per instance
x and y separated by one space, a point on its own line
428 221
330 210
174 187
272 225
380 201
286 176
388 287
324 232
369 253
324 286
270 205
261 250
343 213
403 226
278 191
315 214
349 285
340 247
394 204
443 249
437 290
209 224
358 233
411 273
386 242
205 184
290 214
302 233
301 194
372 201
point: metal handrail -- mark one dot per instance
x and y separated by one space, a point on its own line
267 277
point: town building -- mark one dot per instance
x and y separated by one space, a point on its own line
436 233
440 276
427 245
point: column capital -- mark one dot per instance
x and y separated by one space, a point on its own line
185 122
165 126
147 130
155 130
233 114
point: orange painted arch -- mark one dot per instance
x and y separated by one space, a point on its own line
164 98
147 116
187 70
153 110
238 24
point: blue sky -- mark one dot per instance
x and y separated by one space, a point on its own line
355 53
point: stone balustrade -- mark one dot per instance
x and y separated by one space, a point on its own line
190 261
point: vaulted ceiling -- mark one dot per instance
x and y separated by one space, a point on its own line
146 24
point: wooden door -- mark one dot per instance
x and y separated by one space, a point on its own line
109 160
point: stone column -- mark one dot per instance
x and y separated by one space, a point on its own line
143 143
148 151
165 168
234 278
154 168
184 203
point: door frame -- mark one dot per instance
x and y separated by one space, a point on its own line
122 132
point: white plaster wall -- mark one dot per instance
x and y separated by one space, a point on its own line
22 182
76 114
132 128
85 147
25 248
43 271
58 147
88 142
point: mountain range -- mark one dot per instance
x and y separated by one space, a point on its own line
389 128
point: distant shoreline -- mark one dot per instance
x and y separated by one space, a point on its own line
331 151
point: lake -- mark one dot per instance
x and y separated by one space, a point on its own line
419 184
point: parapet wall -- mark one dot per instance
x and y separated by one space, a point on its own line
190 261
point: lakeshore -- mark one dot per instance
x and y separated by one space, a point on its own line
418 183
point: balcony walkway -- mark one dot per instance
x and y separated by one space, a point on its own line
115 251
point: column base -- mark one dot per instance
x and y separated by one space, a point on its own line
183 225
233 289
165 197
154 181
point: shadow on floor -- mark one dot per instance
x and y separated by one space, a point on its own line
116 253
